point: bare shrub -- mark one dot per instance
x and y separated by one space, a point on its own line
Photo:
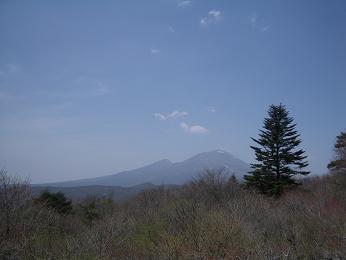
208 218
20 220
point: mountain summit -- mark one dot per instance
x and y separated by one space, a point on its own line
166 172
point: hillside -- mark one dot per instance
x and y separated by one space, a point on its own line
95 191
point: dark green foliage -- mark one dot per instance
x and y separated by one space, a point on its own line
56 201
277 160
339 163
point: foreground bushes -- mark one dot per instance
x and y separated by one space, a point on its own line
209 218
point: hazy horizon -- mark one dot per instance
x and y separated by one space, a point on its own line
93 88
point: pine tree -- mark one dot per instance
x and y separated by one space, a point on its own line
278 161
339 164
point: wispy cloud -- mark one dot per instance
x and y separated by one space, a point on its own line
100 89
253 19
155 51
171 29
194 129
172 115
184 3
213 16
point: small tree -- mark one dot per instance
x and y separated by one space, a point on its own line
14 196
339 164
90 211
277 160
56 201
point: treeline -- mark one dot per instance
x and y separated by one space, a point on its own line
209 218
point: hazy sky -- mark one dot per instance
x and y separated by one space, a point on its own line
89 88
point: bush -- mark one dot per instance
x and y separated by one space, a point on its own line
56 201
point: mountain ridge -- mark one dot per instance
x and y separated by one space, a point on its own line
166 172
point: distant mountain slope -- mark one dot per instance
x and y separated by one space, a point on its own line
166 172
82 192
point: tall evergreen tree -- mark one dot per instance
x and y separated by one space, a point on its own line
278 160
339 164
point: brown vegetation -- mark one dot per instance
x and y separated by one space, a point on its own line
209 218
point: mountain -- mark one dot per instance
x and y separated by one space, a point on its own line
166 172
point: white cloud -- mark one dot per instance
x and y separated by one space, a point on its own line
160 116
216 14
155 51
213 16
253 19
184 3
172 115
194 129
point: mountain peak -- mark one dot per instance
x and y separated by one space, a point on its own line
164 161
166 172
219 151
213 154
161 162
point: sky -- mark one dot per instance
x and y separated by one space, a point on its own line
90 88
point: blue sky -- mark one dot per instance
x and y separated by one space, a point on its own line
89 88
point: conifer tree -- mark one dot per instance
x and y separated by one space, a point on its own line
278 159
339 164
